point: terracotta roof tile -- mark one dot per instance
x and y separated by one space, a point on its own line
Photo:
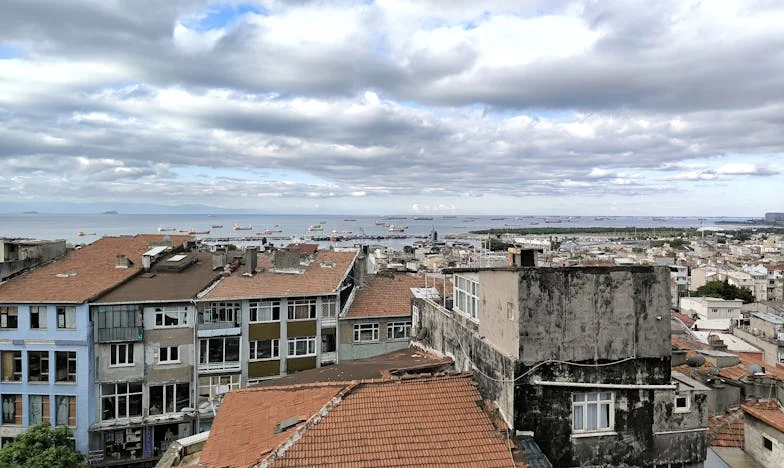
688 321
434 421
726 430
769 412
86 273
385 297
320 277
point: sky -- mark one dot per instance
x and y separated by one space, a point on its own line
395 106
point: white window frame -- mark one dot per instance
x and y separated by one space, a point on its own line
685 409
263 311
222 311
68 314
70 367
204 355
584 403
403 325
167 351
41 310
171 390
117 396
255 350
329 307
114 355
215 381
310 346
8 311
295 307
161 313
43 358
467 297
359 328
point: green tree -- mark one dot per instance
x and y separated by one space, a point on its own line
42 446
725 290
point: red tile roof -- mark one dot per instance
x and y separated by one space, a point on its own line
769 412
85 273
382 296
726 430
688 321
304 249
423 421
322 276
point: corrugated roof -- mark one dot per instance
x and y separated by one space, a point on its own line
85 273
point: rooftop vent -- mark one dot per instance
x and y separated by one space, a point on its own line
66 274
218 259
122 261
328 264
251 260
287 423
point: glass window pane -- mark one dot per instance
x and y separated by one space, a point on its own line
577 422
592 417
604 416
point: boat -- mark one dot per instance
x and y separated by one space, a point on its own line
349 220
381 223
423 218
192 232
393 228
237 227
497 219
275 229
217 226
265 232
315 227
450 217
82 233
165 229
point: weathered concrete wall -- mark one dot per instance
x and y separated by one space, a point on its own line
769 350
594 314
721 397
753 431
500 309
452 334
349 350
106 373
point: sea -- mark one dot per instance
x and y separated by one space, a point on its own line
84 228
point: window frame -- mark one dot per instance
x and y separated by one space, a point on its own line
45 408
467 294
253 355
18 409
117 396
584 405
259 309
42 356
329 307
42 312
70 372
6 312
684 409
115 355
295 306
161 312
310 341
71 402
205 353
395 326
767 443
16 358
175 389
222 312
66 311
373 327
168 353
214 381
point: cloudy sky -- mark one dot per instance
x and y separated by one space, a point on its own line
396 106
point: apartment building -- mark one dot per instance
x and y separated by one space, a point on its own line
46 337
18 255
274 316
712 308
577 357
144 335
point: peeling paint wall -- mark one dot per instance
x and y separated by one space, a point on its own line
753 432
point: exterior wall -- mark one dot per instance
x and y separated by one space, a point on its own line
105 372
500 310
301 363
770 348
179 372
753 431
769 329
17 258
711 308
261 369
348 349
52 339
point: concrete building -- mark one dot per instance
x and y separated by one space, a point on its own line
274 316
763 432
46 337
18 255
710 308
144 335
579 357
774 218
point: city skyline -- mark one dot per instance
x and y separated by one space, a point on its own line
573 108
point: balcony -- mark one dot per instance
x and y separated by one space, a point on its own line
109 335
229 366
219 329
329 322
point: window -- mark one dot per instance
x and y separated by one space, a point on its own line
11 366
221 312
302 309
38 317
217 352
169 354
9 317
65 366
12 409
39 409
329 306
592 411
38 366
65 410
166 317
365 332
66 317
467 296
264 311
121 355
767 443
302 346
398 330
122 400
170 398
264 349
210 387
682 404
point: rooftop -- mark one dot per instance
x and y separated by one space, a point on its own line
83 274
164 283
771 318
769 412
420 421
382 296
322 276
726 430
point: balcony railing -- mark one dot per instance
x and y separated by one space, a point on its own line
329 322
107 335
229 366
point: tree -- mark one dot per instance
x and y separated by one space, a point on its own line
42 446
725 290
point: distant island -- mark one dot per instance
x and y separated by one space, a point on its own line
110 212
29 212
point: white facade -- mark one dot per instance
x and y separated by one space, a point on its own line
711 308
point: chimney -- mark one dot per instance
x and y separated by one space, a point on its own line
251 260
146 262
218 259
122 261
